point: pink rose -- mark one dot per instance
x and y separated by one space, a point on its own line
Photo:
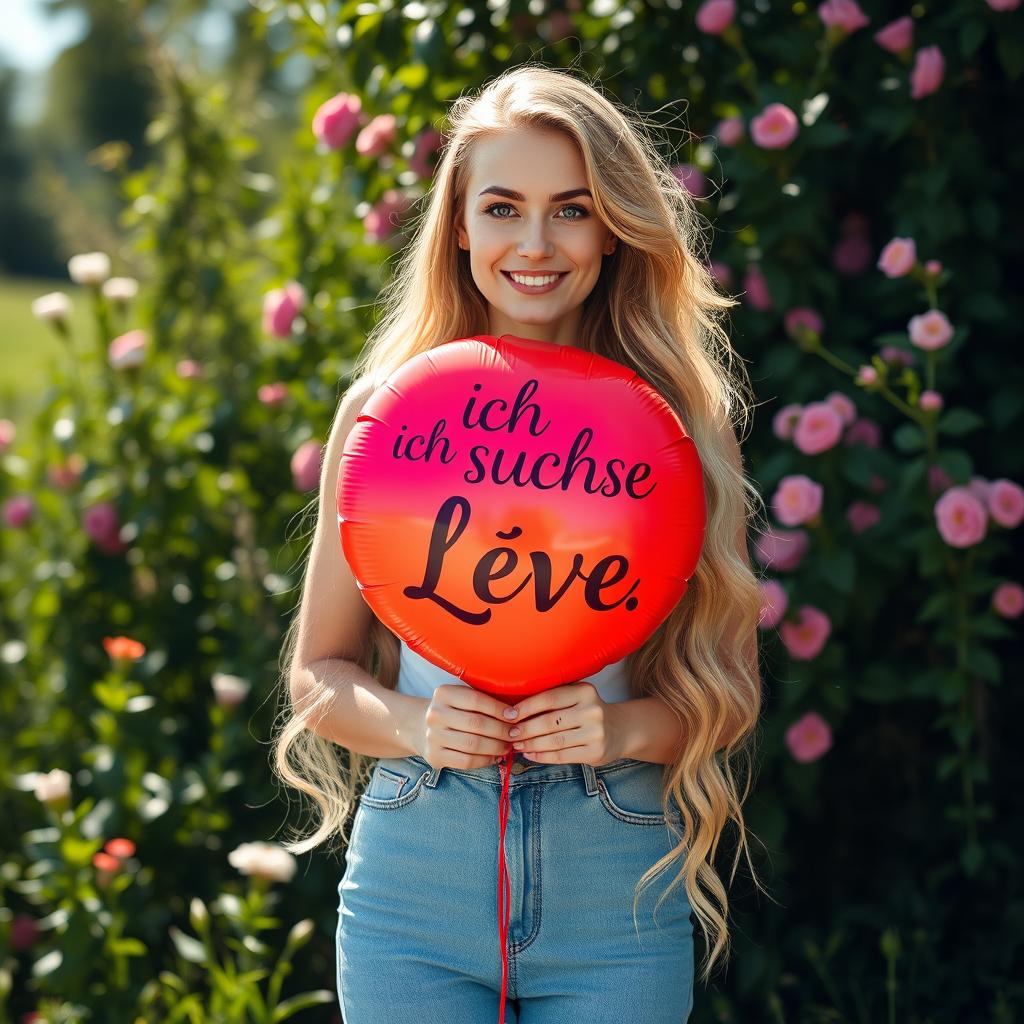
383 220
818 428
18 510
805 637
189 369
8 432
960 517
926 76
1008 600
280 308
377 136
897 356
862 515
692 179
775 127
931 401
863 431
306 465
101 525
866 375
797 500
979 487
801 318
774 602
1006 502
785 420
930 330
427 143
24 931
933 267
715 16
730 131
897 36
842 14
852 255
272 394
898 258
336 120
842 405
127 350
721 272
756 288
781 550
809 737
1003 5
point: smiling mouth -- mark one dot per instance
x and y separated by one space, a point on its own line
559 274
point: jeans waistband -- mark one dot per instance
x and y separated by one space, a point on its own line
526 772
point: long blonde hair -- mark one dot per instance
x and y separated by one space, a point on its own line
655 308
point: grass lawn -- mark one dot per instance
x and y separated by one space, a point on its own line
28 347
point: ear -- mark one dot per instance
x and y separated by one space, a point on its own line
460 232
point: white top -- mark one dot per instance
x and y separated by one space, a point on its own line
419 677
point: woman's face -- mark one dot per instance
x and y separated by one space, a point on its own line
532 233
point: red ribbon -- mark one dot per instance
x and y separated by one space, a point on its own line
504 886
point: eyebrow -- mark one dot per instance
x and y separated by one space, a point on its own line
509 193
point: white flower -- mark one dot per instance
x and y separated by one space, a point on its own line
89 267
229 690
121 289
52 306
53 787
263 860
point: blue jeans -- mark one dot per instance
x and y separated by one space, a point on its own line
417 938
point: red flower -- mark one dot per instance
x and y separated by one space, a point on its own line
123 647
120 848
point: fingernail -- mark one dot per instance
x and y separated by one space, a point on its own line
511 712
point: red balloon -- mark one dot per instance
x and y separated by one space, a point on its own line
520 513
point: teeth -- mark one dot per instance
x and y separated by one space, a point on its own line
531 280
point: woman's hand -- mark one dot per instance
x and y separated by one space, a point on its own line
463 728
567 724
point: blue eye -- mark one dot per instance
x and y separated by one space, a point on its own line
583 211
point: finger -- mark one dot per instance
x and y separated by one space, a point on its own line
467 698
570 755
474 743
542 725
549 741
548 700
460 759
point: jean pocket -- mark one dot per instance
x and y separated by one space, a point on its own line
632 793
391 787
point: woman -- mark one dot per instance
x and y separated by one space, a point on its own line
619 779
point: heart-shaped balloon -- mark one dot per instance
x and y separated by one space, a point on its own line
520 513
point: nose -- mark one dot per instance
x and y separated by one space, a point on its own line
534 243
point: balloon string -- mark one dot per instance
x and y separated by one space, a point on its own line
504 886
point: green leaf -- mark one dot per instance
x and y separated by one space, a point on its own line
289 1007
985 664
908 438
840 569
936 606
128 947
957 463
960 421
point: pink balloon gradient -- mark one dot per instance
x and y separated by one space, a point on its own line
559 568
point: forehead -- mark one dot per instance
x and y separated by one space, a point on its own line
531 160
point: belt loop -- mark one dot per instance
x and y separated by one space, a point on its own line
433 776
590 779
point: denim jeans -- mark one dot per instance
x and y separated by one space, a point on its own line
417 939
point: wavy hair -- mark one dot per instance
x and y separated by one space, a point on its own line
656 308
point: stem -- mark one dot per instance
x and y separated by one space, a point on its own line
967 783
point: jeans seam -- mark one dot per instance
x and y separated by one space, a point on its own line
535 864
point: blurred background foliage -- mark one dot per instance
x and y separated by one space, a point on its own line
165 497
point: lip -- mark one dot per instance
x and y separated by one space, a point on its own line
529 290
